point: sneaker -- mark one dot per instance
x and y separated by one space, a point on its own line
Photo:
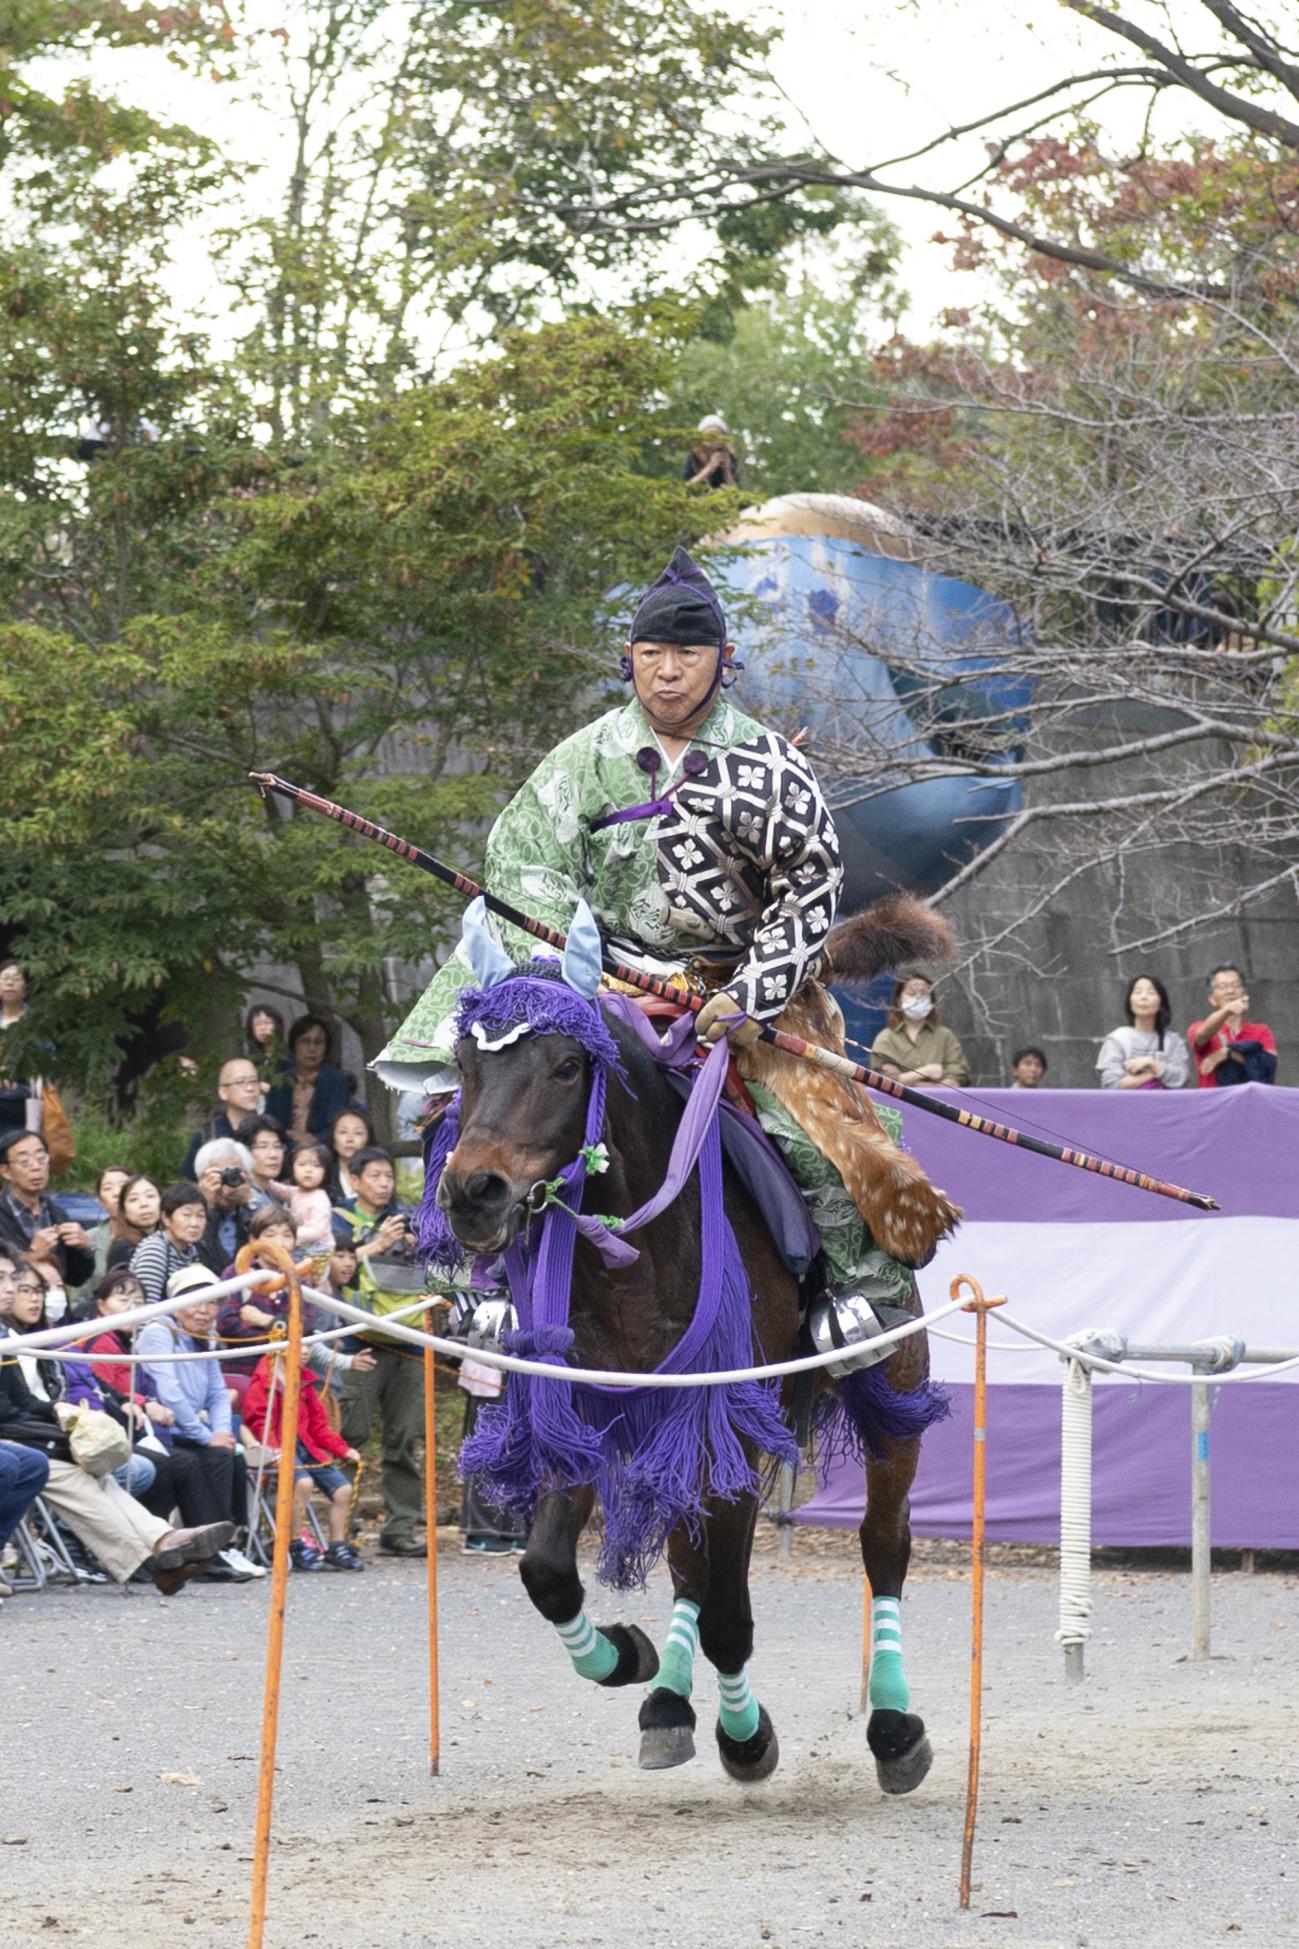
221 1571
6 1590
305 1556
488 1546
243 1564
341 1556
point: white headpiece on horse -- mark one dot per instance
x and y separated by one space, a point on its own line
579 964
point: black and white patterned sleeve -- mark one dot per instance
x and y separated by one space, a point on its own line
804 875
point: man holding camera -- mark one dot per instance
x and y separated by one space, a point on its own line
387 1275
32 1224
224 1171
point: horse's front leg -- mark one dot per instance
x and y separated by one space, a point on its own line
617 1654
667 1718
895 1736
746 1738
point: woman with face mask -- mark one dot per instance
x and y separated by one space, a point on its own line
914 1046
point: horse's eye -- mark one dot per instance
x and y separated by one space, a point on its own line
568 1071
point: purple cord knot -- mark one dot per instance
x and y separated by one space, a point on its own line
540 1342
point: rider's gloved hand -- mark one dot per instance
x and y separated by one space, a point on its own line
722 1015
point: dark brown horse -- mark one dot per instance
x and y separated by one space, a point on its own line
522 1118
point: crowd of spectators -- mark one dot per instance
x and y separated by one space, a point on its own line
284 1154
159 1490
1144 1052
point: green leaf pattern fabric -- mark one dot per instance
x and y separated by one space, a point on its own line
743 875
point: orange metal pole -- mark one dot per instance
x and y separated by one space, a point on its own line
276 1256
980 1307
431 1530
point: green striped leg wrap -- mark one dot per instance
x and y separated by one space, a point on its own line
889 1690
739 1708
591 1652
677 1658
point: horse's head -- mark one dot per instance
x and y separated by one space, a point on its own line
527 1040
522 1117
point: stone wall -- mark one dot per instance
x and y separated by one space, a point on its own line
1060 977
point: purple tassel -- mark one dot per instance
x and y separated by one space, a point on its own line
540 997
436 1239
656 1458
863 1415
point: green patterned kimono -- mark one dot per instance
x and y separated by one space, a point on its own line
737 869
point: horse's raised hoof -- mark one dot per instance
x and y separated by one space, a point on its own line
753 1759
638 1662
667 1730
901 1749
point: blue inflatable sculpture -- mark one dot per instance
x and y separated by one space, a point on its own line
845 632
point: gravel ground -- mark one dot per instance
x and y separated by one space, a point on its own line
1154 1804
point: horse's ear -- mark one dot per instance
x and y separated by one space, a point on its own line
581 963
484 953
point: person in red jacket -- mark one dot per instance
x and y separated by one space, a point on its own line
1227 1048
317 1443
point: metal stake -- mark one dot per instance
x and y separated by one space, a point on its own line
1201 1554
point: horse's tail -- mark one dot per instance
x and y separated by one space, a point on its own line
888 934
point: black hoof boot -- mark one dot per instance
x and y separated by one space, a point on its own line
638 1661
667 1730
750 1760
902 1752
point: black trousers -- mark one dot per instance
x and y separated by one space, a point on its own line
211 1483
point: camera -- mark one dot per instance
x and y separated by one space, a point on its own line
232 1175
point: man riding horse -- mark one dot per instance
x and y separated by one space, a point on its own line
725 879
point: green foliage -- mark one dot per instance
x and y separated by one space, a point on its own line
80 127
400 618
322 551
151 1138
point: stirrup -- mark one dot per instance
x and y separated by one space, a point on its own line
850 1320
490 1322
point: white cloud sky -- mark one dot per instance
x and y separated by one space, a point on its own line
874 79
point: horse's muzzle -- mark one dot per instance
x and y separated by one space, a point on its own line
482 1209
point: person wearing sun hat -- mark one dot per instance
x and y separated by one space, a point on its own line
196 1393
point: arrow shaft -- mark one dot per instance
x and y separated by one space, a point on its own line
666 991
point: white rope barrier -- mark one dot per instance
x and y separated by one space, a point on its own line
50 1337
1093 1360
600 1377
67 1342
233 1350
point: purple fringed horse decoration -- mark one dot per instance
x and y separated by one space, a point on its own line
565 1099
651 1455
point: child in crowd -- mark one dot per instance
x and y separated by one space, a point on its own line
319 1451
254 1315
1028 1068
307 1198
